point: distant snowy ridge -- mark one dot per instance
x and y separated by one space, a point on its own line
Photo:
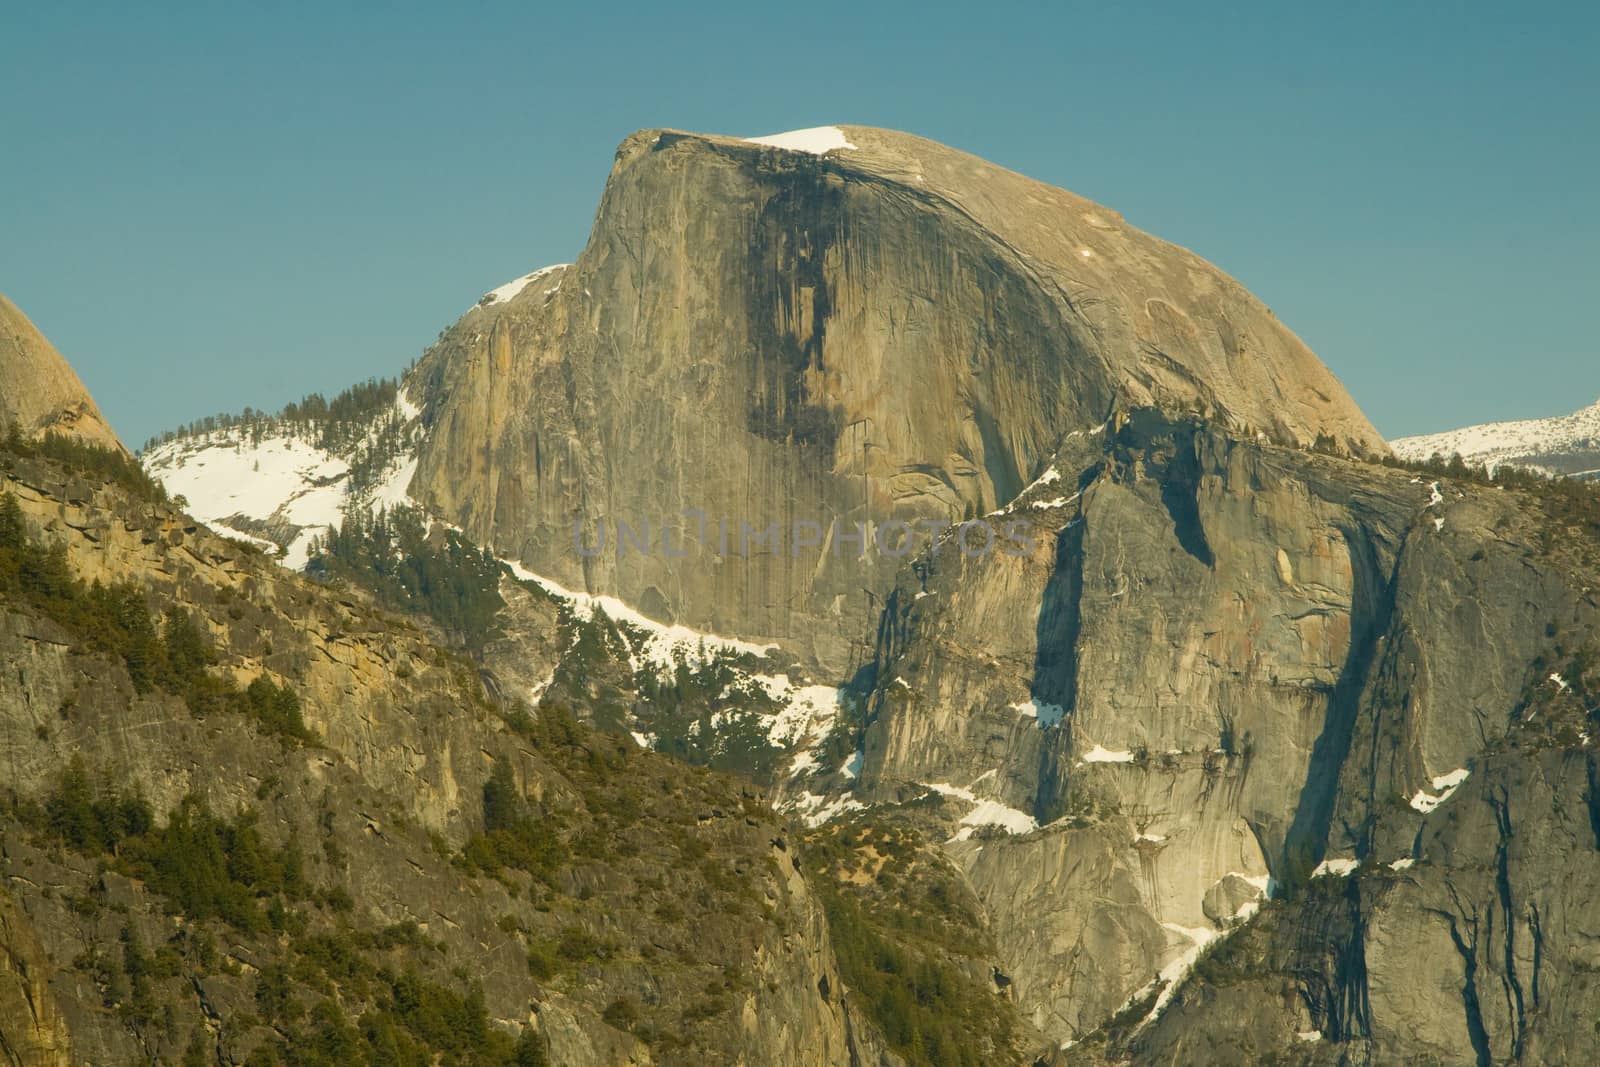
1566 444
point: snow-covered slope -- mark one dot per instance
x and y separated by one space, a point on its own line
506 293
276 486
1565 444
279 490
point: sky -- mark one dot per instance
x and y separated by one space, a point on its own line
211 206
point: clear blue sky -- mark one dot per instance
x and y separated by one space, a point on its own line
227 205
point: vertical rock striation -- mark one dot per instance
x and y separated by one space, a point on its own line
891 331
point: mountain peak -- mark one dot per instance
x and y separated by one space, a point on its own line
841 325
38 388
1175 330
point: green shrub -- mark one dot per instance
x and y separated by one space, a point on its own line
91 460
622 1013
175 657
205 866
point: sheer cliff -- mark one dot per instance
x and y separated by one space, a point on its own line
1235 683
890 330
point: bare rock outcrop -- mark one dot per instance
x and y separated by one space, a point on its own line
891 331
1227 677
37 387
384 799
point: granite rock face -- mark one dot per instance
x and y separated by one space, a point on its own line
1477 945
1226 668
894 331
37 387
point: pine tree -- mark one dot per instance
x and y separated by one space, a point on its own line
13 534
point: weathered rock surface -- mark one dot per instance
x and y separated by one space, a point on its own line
1222 665
892 332
391 790
1479 945
37 387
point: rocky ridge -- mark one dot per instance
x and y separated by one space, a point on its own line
1228 675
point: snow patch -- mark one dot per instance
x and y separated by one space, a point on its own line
230 476
391 491
1049 477
985 812
1099 754
1090 432
803 763
1047 715
536 690
815 809
1402 863
1175 972
1444 786
817 140
664 646
505 293
1503 442
281 478
808 711
1339 868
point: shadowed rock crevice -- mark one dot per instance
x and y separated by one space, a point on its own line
1371 613
998 461
1332 982
1591 798
1154 444
1180 494
1055 669
1467 949
790 301
1500 803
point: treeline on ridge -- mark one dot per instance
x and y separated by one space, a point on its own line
329 424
